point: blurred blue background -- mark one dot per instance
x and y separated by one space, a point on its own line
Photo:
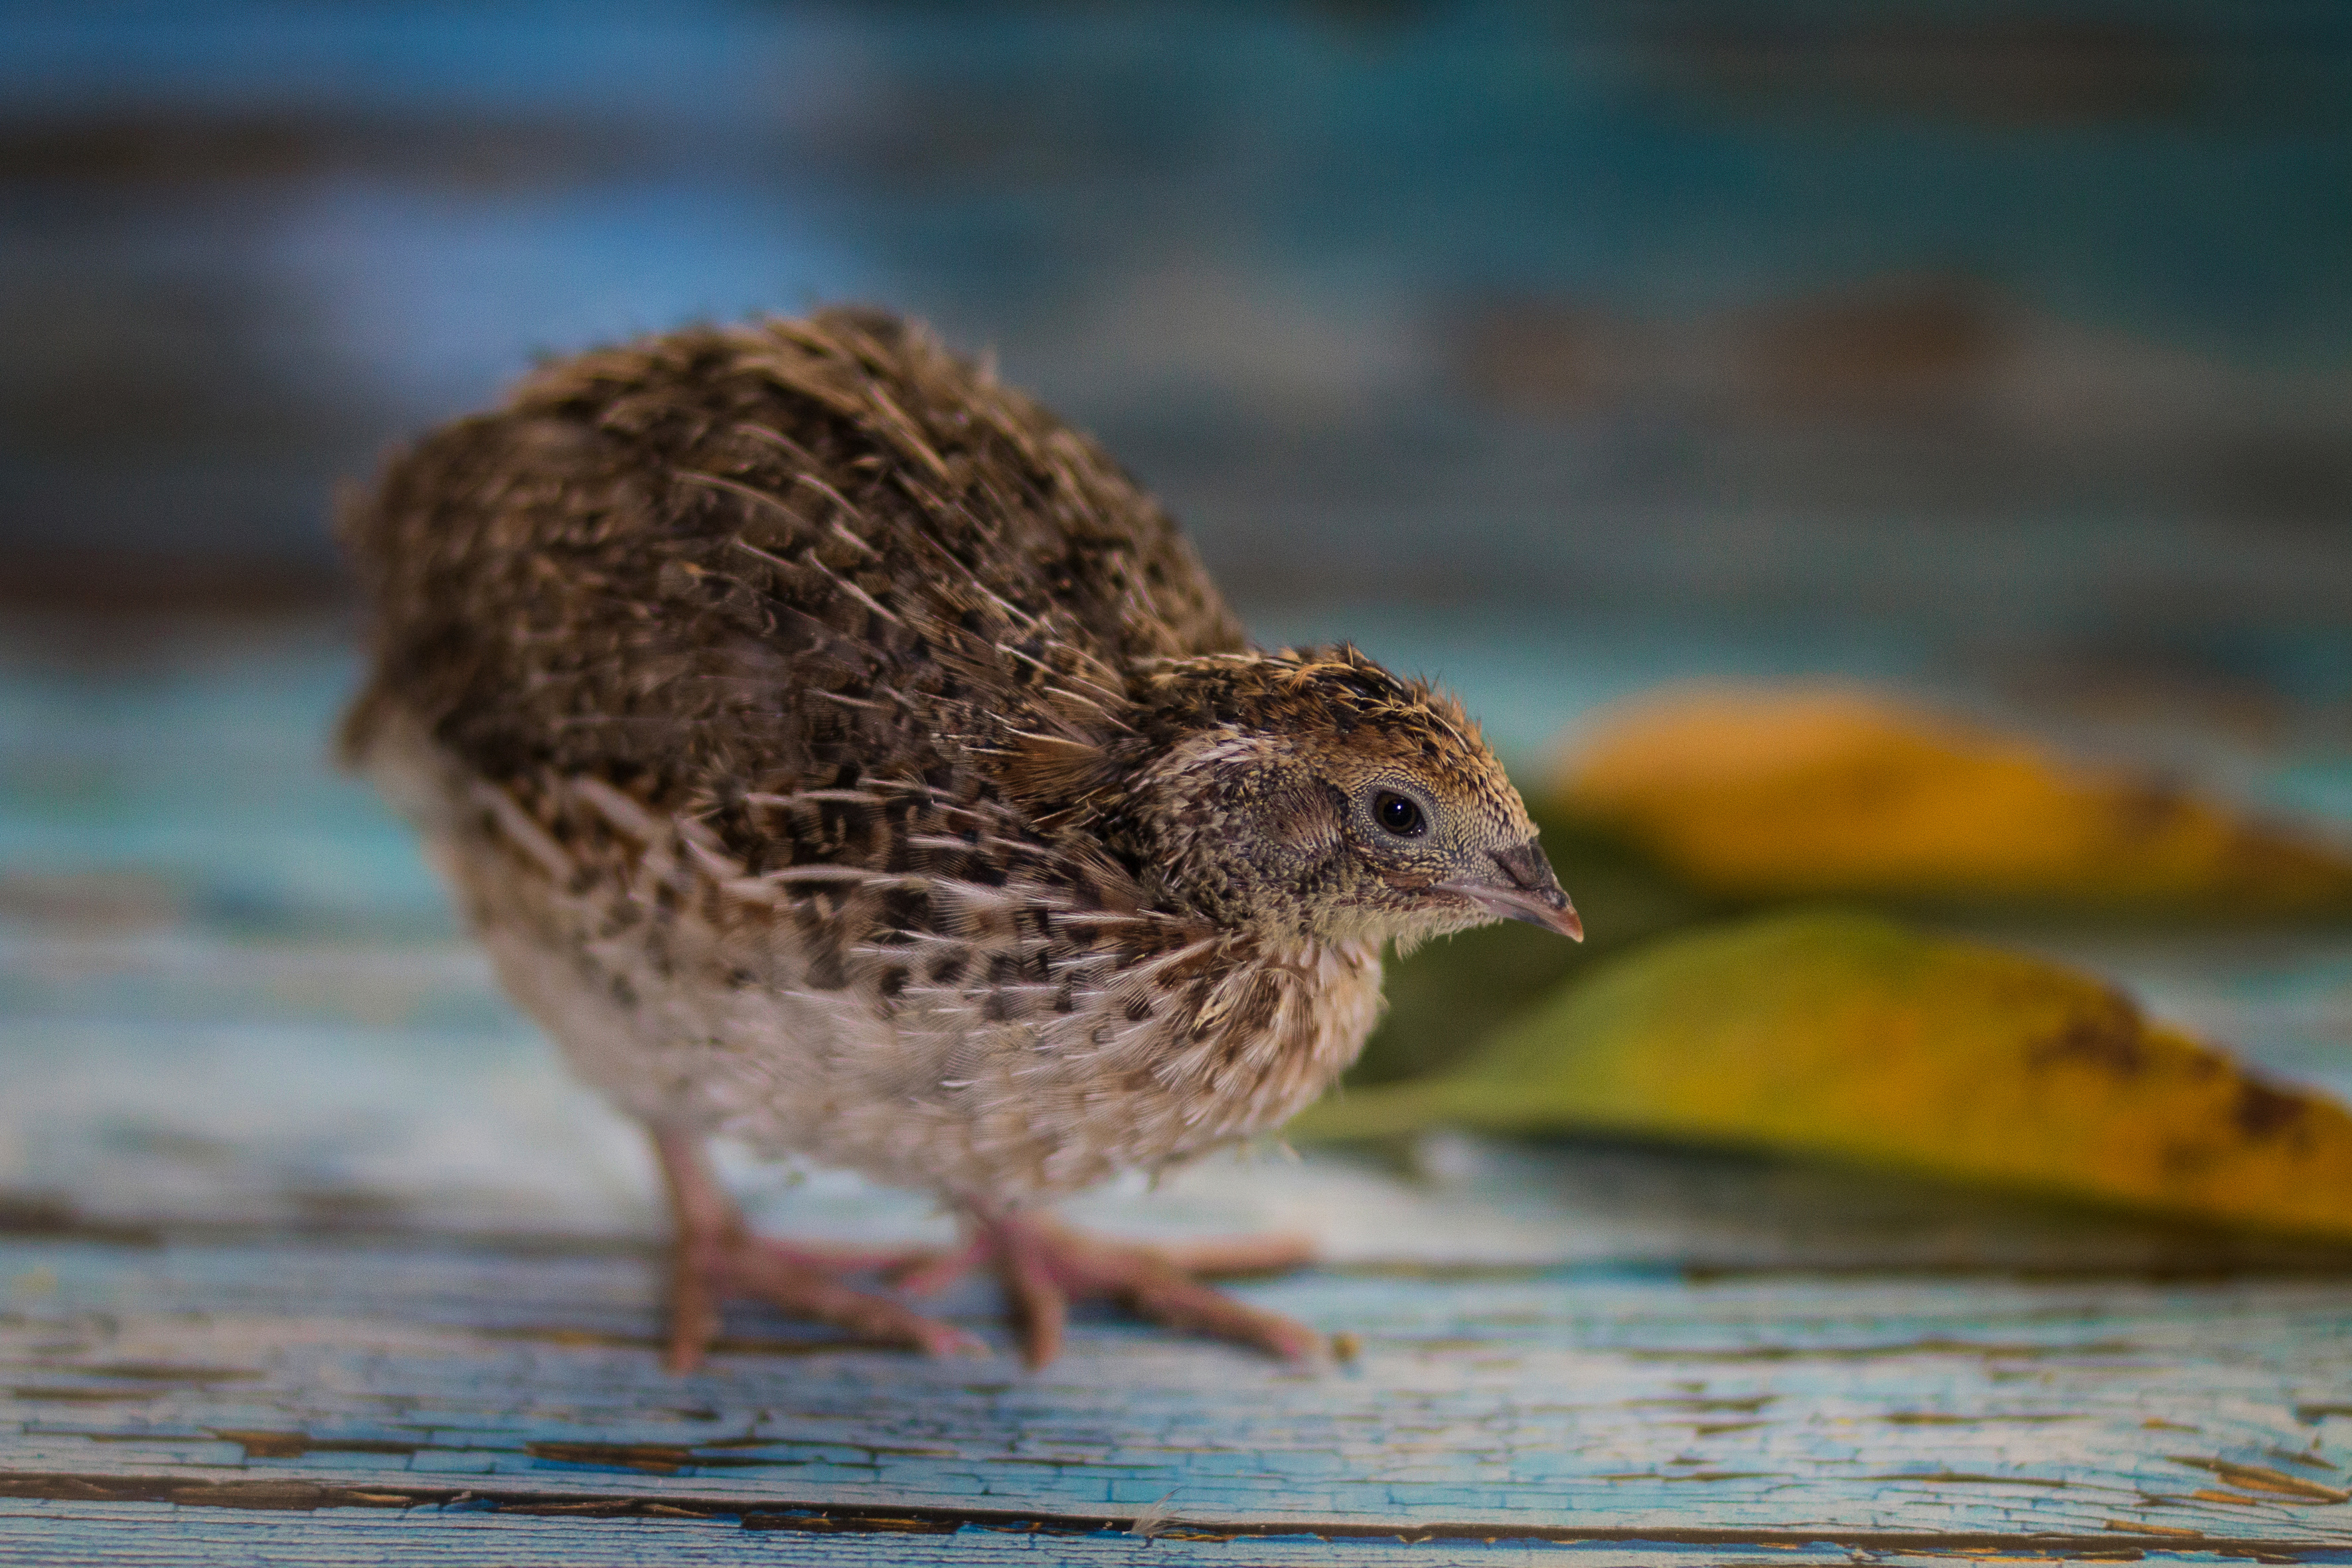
2028 323
1999 352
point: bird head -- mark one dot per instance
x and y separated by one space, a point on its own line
1313 792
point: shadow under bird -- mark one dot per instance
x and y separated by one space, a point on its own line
834 751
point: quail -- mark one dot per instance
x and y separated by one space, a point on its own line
836 752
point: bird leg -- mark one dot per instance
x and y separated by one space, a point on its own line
1044 1266
715 1257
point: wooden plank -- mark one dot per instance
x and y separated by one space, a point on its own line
1564 1400
165 1537
162 1536
296 1214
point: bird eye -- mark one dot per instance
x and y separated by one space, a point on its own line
1397 813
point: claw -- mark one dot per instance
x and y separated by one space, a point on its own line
1044 1266
928 1273
716 1258
1040 1309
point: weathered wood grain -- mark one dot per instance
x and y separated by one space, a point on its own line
1560 1400
309 1252
155 1536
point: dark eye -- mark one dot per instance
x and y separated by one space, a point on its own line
1398 815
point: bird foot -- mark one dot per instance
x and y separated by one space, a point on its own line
715 1259
709 1270
1045 1266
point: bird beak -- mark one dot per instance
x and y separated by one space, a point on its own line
1523 889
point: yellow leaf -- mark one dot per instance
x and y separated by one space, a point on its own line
1849 1037
1771 793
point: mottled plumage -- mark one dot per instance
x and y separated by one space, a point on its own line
834 750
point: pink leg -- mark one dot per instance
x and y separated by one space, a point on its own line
1045 1266
717 1257
933 1272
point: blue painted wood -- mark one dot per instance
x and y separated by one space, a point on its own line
293 1197
48 1534
2033 320
1619 1397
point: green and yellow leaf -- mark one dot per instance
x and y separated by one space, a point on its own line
1767 794
1849 1037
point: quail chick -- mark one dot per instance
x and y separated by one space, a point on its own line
834 751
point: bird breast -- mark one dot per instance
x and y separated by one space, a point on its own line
1030 1033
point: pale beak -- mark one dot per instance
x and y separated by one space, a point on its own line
1525 889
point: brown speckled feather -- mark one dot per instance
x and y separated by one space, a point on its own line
652 558
831 747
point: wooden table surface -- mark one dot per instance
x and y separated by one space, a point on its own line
310 1252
